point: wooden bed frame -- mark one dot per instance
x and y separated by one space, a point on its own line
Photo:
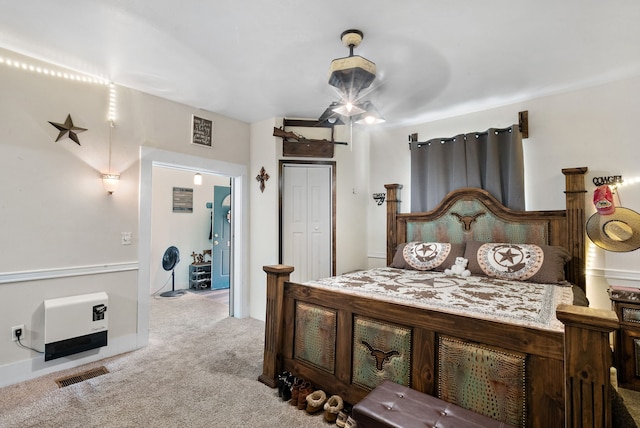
567 375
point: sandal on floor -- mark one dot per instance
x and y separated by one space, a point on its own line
350 423
343 415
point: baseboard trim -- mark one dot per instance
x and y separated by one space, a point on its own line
35 367
42 274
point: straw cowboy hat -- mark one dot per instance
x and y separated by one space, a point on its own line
613 228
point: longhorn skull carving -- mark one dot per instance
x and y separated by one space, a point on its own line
379 355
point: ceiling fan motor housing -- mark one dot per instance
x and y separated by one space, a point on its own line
352 74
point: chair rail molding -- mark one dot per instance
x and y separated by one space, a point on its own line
615 274
65 272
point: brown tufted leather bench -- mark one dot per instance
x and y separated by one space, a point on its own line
393 405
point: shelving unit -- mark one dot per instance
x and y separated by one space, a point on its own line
200 276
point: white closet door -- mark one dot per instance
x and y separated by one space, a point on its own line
307 221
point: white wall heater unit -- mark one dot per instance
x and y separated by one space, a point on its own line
75 324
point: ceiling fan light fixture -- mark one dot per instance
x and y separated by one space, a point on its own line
330 115
348 109
370 116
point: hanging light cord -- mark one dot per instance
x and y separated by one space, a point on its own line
110 135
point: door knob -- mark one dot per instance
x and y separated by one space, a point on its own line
215 242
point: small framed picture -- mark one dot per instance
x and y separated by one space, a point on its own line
182 200
201 131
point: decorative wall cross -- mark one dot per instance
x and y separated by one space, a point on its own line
262 177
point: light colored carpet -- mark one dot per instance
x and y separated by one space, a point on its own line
631 400
199 370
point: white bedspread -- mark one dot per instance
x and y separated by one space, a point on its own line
514 302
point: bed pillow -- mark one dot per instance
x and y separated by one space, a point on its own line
436 256
519 262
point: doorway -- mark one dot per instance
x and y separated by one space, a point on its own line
307 219
150 157
192 216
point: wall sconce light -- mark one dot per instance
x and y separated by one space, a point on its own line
379 198
110 182
197 179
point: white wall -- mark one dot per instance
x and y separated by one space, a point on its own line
263 212
592 127
353 194
60 230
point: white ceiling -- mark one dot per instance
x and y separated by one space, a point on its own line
256 59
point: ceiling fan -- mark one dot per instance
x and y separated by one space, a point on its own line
351 75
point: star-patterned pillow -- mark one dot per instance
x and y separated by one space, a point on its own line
426 255
518 262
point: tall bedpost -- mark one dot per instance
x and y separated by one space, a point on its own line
574 194
393 207
587 364
277 275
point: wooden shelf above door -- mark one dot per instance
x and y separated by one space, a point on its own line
309 147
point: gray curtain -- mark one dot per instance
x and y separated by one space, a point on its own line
491 160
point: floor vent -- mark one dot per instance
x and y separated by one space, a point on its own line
70 380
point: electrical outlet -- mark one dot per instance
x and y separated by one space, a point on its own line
13 332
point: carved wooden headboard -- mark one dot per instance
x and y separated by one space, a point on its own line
474 214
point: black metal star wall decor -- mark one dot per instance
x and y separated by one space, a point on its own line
67 129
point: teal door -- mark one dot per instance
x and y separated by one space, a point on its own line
221 237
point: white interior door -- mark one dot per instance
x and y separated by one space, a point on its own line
307 221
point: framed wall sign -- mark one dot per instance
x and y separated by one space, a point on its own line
201 131
182 200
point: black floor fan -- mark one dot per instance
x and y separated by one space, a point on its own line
169 261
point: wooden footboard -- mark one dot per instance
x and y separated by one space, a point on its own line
566 375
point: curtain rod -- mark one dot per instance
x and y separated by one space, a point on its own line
523 127
446 140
